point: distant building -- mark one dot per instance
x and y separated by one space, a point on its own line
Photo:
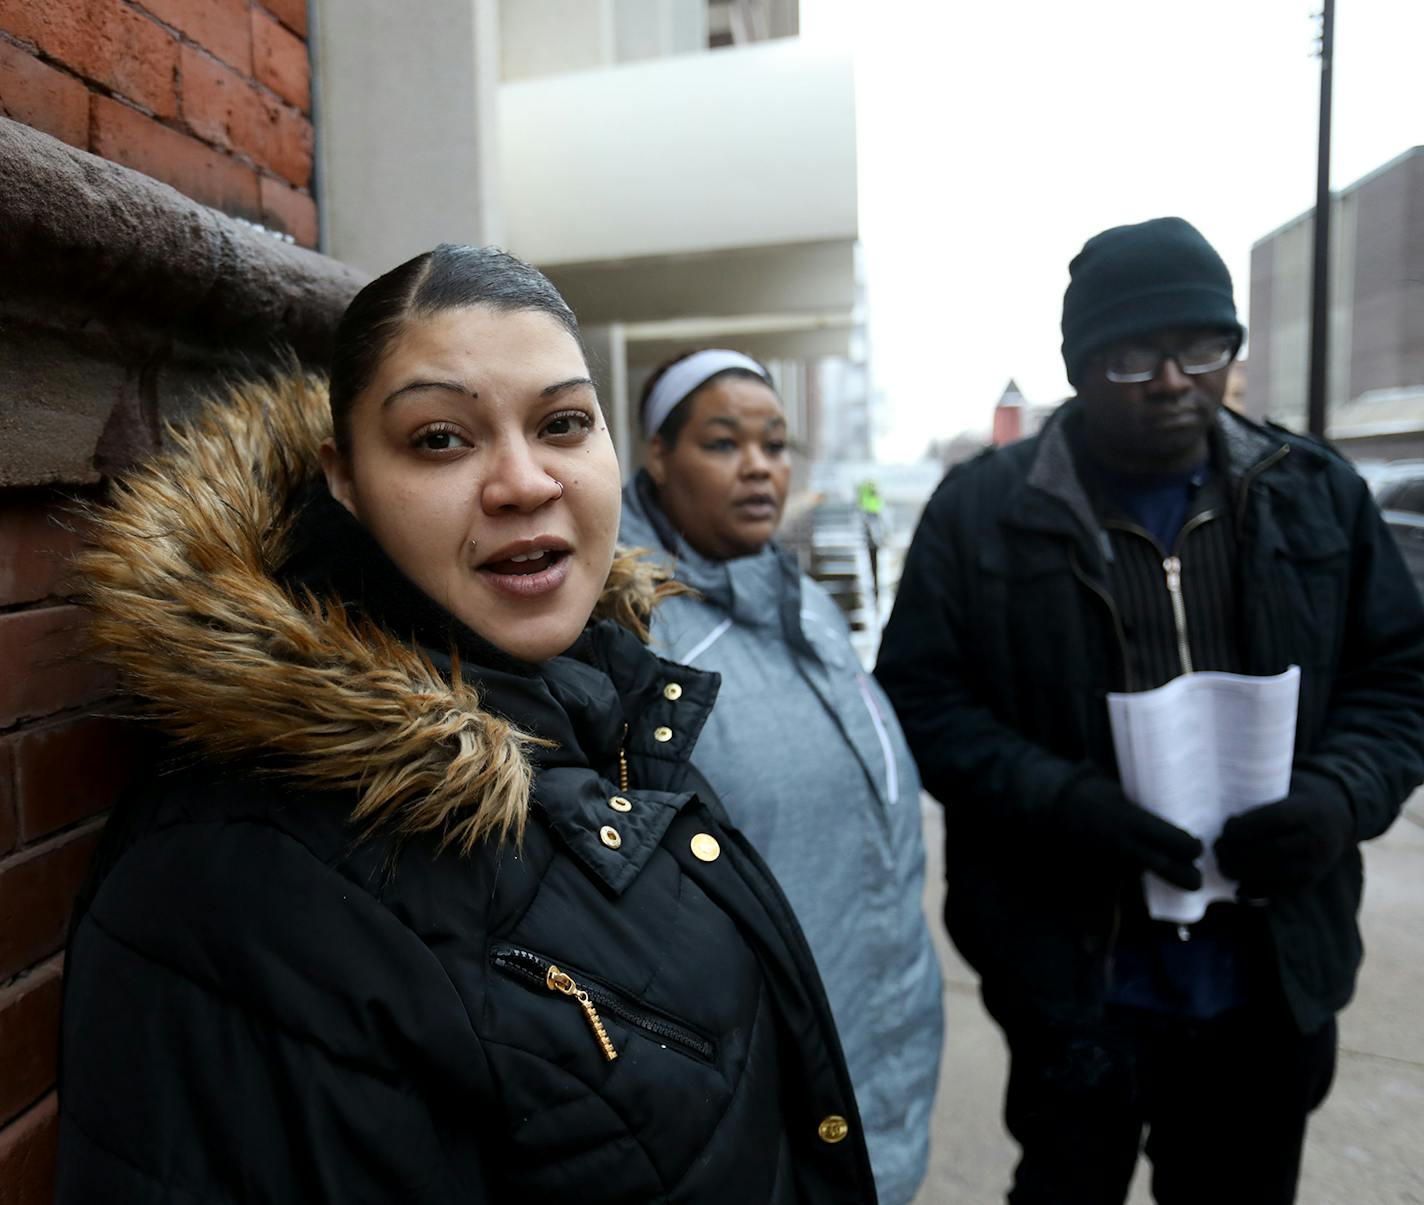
956 449
1015 417
1375 390
838 423
1008 415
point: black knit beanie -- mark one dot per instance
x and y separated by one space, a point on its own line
1137 280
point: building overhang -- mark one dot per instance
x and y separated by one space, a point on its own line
765 336
789 278
702 186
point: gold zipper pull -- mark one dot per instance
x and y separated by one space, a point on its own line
561 981
623 762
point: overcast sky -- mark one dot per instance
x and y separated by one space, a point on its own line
995 137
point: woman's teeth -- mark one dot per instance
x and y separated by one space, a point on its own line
525 563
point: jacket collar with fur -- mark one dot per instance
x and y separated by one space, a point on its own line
209 590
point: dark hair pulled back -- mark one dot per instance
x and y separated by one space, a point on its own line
450 277
677 417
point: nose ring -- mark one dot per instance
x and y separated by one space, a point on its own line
560 484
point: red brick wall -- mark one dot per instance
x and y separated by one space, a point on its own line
60 768
86 381
213 98
210 96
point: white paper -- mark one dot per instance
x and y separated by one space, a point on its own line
1196 752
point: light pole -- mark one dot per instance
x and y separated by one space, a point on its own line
1320 273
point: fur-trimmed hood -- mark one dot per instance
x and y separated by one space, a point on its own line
187 599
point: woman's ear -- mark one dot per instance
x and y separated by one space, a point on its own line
338 476
656 462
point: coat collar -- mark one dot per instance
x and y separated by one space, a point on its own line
259 623
612 697
757 591
1054 500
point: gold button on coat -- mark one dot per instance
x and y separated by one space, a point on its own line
619 804
609 836
672 692
705 847
662 734
833 1128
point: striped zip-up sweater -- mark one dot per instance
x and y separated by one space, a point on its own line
1177 605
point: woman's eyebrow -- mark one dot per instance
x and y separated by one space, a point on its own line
571 383
723 420
452 386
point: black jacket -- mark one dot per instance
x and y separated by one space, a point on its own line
266 1004
1004 642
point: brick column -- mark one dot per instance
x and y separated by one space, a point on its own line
210 96
123 302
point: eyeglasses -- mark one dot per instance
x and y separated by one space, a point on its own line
1134 363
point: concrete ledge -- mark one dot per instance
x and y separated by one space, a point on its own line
95 236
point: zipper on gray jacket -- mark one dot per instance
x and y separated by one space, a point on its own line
887 751
534 970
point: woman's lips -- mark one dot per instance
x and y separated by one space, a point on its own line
760 507
527 579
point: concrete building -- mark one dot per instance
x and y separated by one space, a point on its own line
1375 393
684 170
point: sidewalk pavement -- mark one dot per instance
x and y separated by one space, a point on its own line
1366 1143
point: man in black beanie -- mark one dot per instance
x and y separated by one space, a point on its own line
1147 532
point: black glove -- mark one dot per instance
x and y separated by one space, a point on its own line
1286 846
1094 811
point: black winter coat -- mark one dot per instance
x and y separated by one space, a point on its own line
266 1004
1004 642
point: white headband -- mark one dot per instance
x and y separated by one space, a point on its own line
687 375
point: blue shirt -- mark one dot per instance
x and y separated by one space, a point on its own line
1156 503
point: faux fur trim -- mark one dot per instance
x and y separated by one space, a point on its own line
180 580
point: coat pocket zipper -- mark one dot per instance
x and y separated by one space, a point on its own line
560 981
592 996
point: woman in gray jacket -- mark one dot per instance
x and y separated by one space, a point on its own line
803 747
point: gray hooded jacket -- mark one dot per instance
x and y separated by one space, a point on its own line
808 758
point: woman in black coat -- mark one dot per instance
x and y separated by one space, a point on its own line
422 900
